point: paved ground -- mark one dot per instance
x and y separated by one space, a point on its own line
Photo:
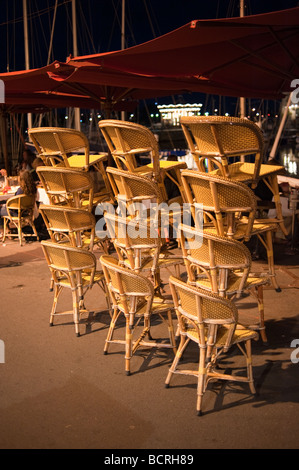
58 391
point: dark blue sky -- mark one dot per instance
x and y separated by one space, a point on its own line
98 24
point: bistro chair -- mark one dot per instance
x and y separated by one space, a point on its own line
229 210
139 247
128 142
60 143
138 196
70 148
74 269
70 187
76 227
20 213
133 296
131 189
222 266
219 139
211 322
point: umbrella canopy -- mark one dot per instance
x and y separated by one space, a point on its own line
254 56
35 91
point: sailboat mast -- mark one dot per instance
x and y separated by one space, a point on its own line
27 63
123 45
75 53
242 100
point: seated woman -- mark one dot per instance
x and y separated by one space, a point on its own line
27 187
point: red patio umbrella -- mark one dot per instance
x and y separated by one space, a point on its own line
254 56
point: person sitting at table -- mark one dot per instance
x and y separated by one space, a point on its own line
25 162
27 186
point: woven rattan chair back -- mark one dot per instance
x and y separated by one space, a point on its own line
68 259
127 140
20 213
210 321
67 186
133 295
123 283
69 224
59 142
220 199
215 258
136 242
217 138
203 308
73 268
130 190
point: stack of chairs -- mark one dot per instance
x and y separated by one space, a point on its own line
71 224
129 142
69 148
217 263
141 253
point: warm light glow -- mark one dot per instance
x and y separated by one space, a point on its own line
171 114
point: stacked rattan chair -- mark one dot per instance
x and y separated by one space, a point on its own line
133 295
75 269
72 187
211 322
216 141
139 247
76 227
20 213
128 142
71 224
69 148
223 266
228 209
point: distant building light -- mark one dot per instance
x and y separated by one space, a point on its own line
171 114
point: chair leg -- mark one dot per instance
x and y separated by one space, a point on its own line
273 184
76 311
111 329
249 366
260 300
20 234
57 290
201 379
182 346
128 353
170 331
5 220
34 230
268 243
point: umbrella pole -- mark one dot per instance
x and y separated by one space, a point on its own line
280 129
4 141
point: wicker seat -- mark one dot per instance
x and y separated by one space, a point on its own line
75 269
139 246
20 213
68 186
212 323
72 226
127 141
218 139
133 296
223 266
229 210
